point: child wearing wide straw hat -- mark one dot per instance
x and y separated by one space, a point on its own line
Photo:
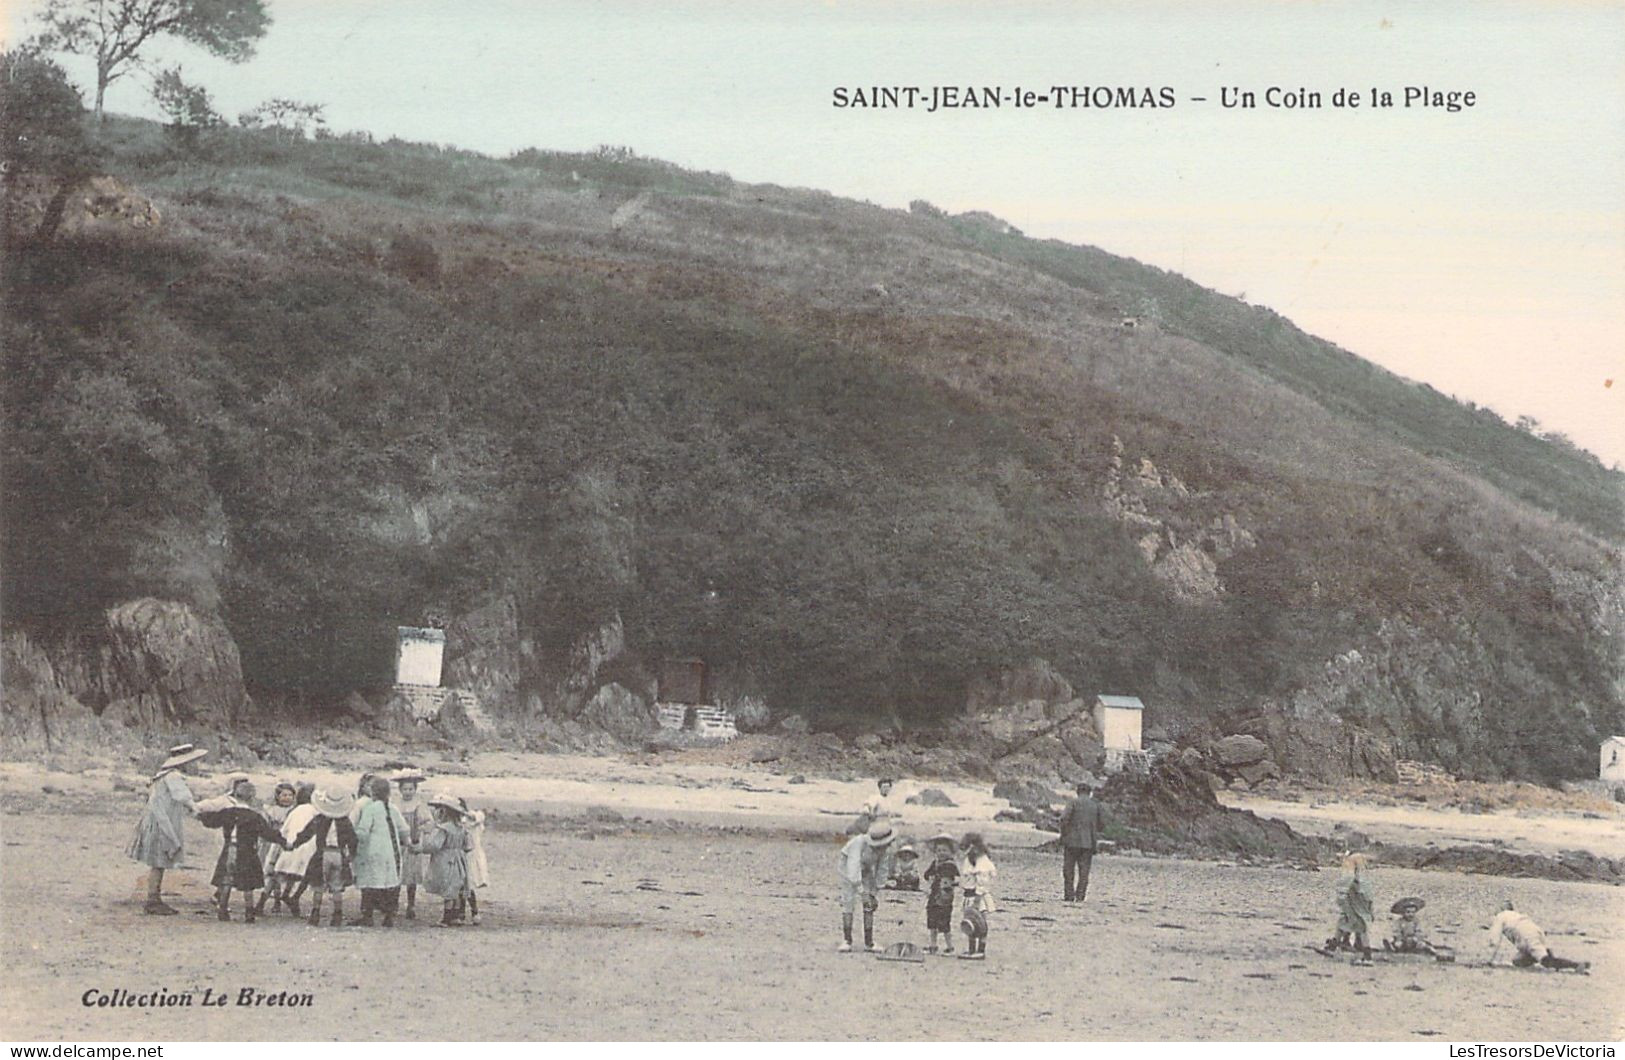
865 862
159 841
333 842
447 846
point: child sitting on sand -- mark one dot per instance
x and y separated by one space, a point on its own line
905 876
977 877
943 874
1408 934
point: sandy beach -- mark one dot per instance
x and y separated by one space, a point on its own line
654 900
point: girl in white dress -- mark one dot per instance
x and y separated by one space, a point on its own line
976 877
479 871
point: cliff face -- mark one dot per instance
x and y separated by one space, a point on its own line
859 460
151 667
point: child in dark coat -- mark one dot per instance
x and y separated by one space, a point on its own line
329 869
943 875
243 827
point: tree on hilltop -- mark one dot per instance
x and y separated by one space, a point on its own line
188 106
115 32
284 116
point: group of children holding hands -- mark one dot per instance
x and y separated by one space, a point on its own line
323 843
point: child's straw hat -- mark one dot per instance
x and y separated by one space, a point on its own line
333 805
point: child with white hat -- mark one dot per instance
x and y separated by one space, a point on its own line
865 862
328 866
448 847
160 841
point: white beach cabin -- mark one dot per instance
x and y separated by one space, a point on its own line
1118 718
1611 762
418 655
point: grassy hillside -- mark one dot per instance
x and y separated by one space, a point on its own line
852 456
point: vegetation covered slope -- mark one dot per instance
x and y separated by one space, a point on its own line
852 456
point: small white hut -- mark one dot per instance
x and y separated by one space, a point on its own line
418 655
1118 719
1611 761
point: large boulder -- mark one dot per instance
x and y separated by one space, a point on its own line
1233 752
487 655
1035 679
155 664
1324 747
1026 793
1173 810
618 712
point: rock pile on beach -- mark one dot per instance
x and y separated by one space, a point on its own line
1173 810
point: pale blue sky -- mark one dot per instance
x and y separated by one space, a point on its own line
1483 252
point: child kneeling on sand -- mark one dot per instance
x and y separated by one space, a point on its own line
1529 940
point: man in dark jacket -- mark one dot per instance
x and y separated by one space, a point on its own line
1082 822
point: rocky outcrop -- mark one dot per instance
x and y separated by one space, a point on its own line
151 665
751 713
589 655
618 712
1325 748
1172 810
1577 866
1181 540
1035 680
487 655
36 714
155 664
101 203
1027 723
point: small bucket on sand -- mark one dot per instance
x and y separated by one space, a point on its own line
902 951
